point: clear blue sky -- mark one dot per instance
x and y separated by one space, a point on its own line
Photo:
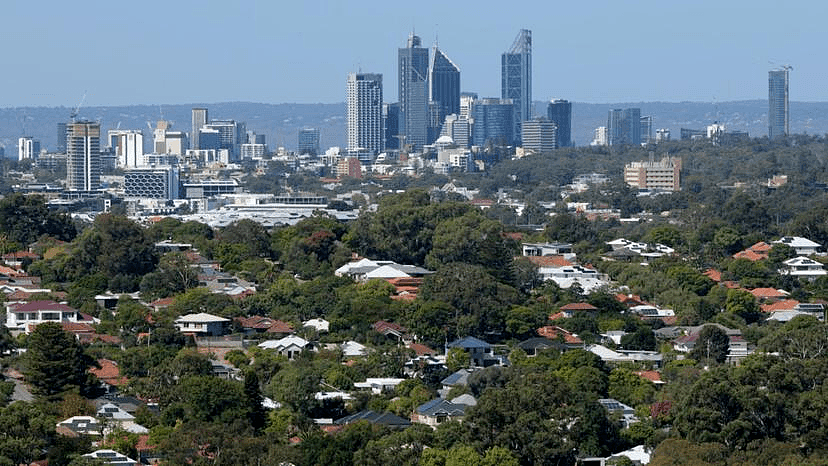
185 51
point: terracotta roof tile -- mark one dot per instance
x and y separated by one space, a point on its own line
549 261
109 372
578 307
765 293
422 350
551 332
713 274
652 376
784 305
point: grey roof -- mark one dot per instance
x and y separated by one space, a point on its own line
461 377
469 343
385 419
540 343
440 406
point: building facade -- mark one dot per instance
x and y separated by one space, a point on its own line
443 88
308 141
413 92
494 122
364 112
646 129
539 135
199 119
778 107
516 77
560 112
83 156
624 126
663 175
128 146
152 182
28 148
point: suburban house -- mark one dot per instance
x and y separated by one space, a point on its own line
802 246
439 410
548 249
76 426
116 418
653 358
202 324
480 352
366 269
614 406
320 325
390 329
23 317
738 348
260 324
112 457
754 253
378 385
383 419
578 309
803 267
290 346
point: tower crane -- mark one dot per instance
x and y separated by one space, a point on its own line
74 113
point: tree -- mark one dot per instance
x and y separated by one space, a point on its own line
253 396
641 339
27 431
711 345
174 275
24 219
55 362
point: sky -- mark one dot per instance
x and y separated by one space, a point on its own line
276 51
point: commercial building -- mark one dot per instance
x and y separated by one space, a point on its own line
539 135
210 188
779 115
560 112
624 126
308 142
391 125
28 148
646 129
198 121
413 93
231 134
494 122
61 138
662 175
128 146
83 156
516 77
364 112
458 128
152 182
443 89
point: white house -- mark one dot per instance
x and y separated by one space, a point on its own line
202 324
803 267
112 457
23 317
802 246
290 346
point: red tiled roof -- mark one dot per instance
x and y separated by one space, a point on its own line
422 350
731 284
713 274
20 255
578 307
630 299
382 326
35 306
163 302
557 315
552 333
109 372
754 253
77 327
767 293
652 376
405 281
279 327
784 305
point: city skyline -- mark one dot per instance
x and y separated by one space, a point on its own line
576 59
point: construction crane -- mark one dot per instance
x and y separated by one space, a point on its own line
74 113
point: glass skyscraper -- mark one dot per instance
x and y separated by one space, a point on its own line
413 92
560 113
624 126
494 122
443 87
83 156
364 112
516 77
779 118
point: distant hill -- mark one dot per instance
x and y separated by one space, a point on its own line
281 122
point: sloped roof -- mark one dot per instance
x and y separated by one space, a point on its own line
578 307
384 419
440 406
713 274
548 261
768 293
469 342
109 372
784 305
201 317
35 306
552 332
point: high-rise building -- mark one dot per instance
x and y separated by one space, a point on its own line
624 126
231 135
494 122
646 129
560 112
199 120
663 175
391 125
152 182
466 102
443 87
308 141
459 129
28 148
413 92
128 146
83 156
61 138
364 112
599 136
516 77
779 114
539 135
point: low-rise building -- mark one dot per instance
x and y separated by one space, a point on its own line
662 175
202 324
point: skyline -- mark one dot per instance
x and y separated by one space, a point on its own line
302 53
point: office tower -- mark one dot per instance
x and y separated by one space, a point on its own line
539 135
413 93
646 129
560 112
28 148
466 101
494 122
364 112
128 146
61 138
443 88
391 125
624 126
459 129
779 114
308 141
231 135
199 120
83 156
516 77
